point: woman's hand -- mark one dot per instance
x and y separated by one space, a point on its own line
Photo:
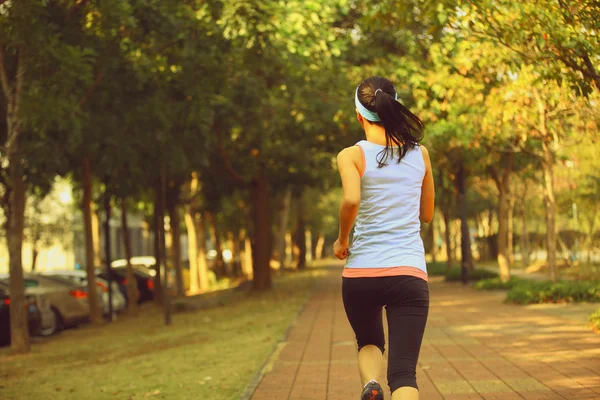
340 249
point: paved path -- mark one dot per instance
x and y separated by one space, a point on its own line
475 347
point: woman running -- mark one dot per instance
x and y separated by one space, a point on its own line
388 191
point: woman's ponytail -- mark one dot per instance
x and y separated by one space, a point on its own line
403 129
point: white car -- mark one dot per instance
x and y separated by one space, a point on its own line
80 277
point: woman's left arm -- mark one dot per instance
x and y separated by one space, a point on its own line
347 161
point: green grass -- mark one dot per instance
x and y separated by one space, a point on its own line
595 320
211 353
534 292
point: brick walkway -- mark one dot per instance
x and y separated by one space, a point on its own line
475 347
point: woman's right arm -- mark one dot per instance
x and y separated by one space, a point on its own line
427 190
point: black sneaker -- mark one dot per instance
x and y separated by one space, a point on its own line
372 391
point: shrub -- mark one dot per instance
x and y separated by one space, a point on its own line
595 320
529 292
438 268
454 275
496 283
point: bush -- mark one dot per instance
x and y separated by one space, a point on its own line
530 292
454 275
438 268
595 320
496 283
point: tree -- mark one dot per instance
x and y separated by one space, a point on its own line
39 103
557 36
547 117
271 82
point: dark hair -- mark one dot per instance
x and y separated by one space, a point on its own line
402 128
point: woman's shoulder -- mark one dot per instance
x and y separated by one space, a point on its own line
424 152
350 152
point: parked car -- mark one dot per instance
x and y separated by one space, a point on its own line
37 305
80 278
144 280
143 263
68 300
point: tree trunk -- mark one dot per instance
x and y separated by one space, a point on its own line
490 222
550 205
448 240
314 239
96 228
192 248
247 257
107 251
95 312
132 291
34 256
524 237
456 237
511 231
163 248
219 264
175 225
14 208
308 243
504 200
300 234
465 241
320 246
262 233
289 246
285 213
201 252
503 259
548 187
234 246
158 223
19 331
589 240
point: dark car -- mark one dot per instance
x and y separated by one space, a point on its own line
145 281
34 316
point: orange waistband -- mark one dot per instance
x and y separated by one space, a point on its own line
381 272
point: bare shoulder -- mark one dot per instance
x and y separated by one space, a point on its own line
425 153
349 153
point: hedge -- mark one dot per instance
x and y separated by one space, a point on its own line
496 284
531 292
454 275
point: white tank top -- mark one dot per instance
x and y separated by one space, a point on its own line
387 229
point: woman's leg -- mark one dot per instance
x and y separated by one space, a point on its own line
370 360
405 393
364 311
407 308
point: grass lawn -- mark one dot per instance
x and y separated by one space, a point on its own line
212 353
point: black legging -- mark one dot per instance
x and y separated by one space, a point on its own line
406 301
